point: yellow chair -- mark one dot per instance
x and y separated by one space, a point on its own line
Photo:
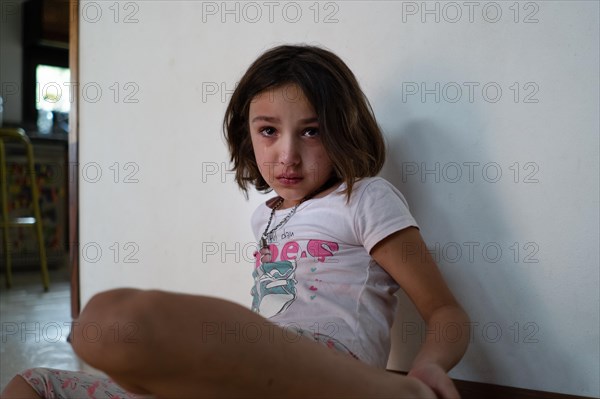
35 221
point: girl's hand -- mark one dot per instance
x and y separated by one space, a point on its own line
435 378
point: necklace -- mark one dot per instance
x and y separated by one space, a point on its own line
265 252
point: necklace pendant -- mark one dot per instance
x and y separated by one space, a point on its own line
264 251
265 255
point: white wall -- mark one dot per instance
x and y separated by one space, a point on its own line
534 305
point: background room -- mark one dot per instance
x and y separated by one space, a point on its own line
491 115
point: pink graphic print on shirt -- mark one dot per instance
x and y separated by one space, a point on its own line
319 250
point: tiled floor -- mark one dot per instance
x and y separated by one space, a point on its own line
35 324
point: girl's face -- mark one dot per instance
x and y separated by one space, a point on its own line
287 144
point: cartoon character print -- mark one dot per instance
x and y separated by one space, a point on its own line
274 287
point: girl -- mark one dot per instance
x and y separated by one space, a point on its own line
334 244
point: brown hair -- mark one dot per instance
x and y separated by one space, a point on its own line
347 125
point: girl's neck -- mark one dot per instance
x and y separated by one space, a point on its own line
327 189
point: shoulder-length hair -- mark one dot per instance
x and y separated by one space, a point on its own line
348 128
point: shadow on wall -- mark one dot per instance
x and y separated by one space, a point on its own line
459 216
492 240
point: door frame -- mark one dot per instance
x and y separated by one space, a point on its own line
73 160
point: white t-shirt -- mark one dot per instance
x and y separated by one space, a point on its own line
322 280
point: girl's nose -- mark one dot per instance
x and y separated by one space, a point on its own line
288 151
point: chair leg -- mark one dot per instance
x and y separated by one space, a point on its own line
5 226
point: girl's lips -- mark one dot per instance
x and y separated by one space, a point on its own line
289 181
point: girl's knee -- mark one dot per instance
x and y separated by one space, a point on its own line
109 300
113 326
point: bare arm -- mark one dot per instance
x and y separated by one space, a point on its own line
405 257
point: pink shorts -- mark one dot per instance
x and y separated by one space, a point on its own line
52 383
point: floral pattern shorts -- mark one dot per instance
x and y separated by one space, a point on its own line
52 383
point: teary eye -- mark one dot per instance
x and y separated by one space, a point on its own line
311 132
267 131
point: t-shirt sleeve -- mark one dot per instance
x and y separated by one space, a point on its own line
381 210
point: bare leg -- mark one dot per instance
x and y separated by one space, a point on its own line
18 388
176 345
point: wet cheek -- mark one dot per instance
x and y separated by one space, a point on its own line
263 159
265 166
